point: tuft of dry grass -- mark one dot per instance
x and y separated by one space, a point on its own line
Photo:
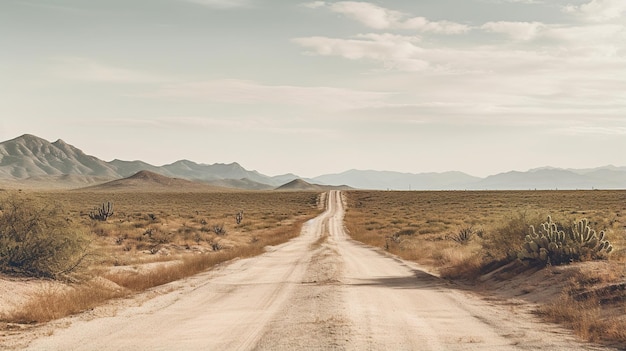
586 318
582 316
461 263
56 303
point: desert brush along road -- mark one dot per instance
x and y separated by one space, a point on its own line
320 291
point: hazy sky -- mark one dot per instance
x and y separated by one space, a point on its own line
480 86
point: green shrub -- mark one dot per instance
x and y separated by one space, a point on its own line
37 240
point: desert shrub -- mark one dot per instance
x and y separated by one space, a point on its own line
397 237
552 245
37 240
463 236
504 242
219 229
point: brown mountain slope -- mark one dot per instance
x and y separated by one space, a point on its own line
301 185
146 181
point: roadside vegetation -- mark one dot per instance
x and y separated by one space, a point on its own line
482 237
95 246
37 240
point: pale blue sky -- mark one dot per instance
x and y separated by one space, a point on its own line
480 86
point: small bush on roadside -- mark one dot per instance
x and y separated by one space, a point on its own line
36 240
504 242
463 236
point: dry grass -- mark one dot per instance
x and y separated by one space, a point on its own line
593 306
376 217
56 303
155 238
194 264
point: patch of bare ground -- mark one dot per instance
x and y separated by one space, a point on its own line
588 297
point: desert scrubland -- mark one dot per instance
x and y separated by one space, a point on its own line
475 237
375 270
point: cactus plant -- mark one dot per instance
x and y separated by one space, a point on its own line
102 213
550 245
588 239
239 217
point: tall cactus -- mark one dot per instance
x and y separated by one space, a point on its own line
587 238
554 246
544 245
239 217
102 213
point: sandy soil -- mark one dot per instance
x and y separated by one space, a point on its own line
320 291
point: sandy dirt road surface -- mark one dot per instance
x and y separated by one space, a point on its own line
320 291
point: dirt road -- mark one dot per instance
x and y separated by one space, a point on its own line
320 291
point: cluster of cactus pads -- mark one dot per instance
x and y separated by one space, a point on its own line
549 245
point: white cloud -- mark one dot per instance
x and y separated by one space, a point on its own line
403 54
314 4
235 91
369 14
86 69
525 1
221 4
592 130
516 30
444 27
394 51
515 85
377 17
596 35
599 10
252 124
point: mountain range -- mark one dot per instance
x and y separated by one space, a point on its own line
30 161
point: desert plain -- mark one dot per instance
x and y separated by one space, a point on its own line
331 270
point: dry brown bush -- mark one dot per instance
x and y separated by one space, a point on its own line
37 240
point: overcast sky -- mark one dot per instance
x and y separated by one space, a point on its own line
479 86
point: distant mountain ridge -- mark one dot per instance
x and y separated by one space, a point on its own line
302 185
30 156
384 180
31 161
